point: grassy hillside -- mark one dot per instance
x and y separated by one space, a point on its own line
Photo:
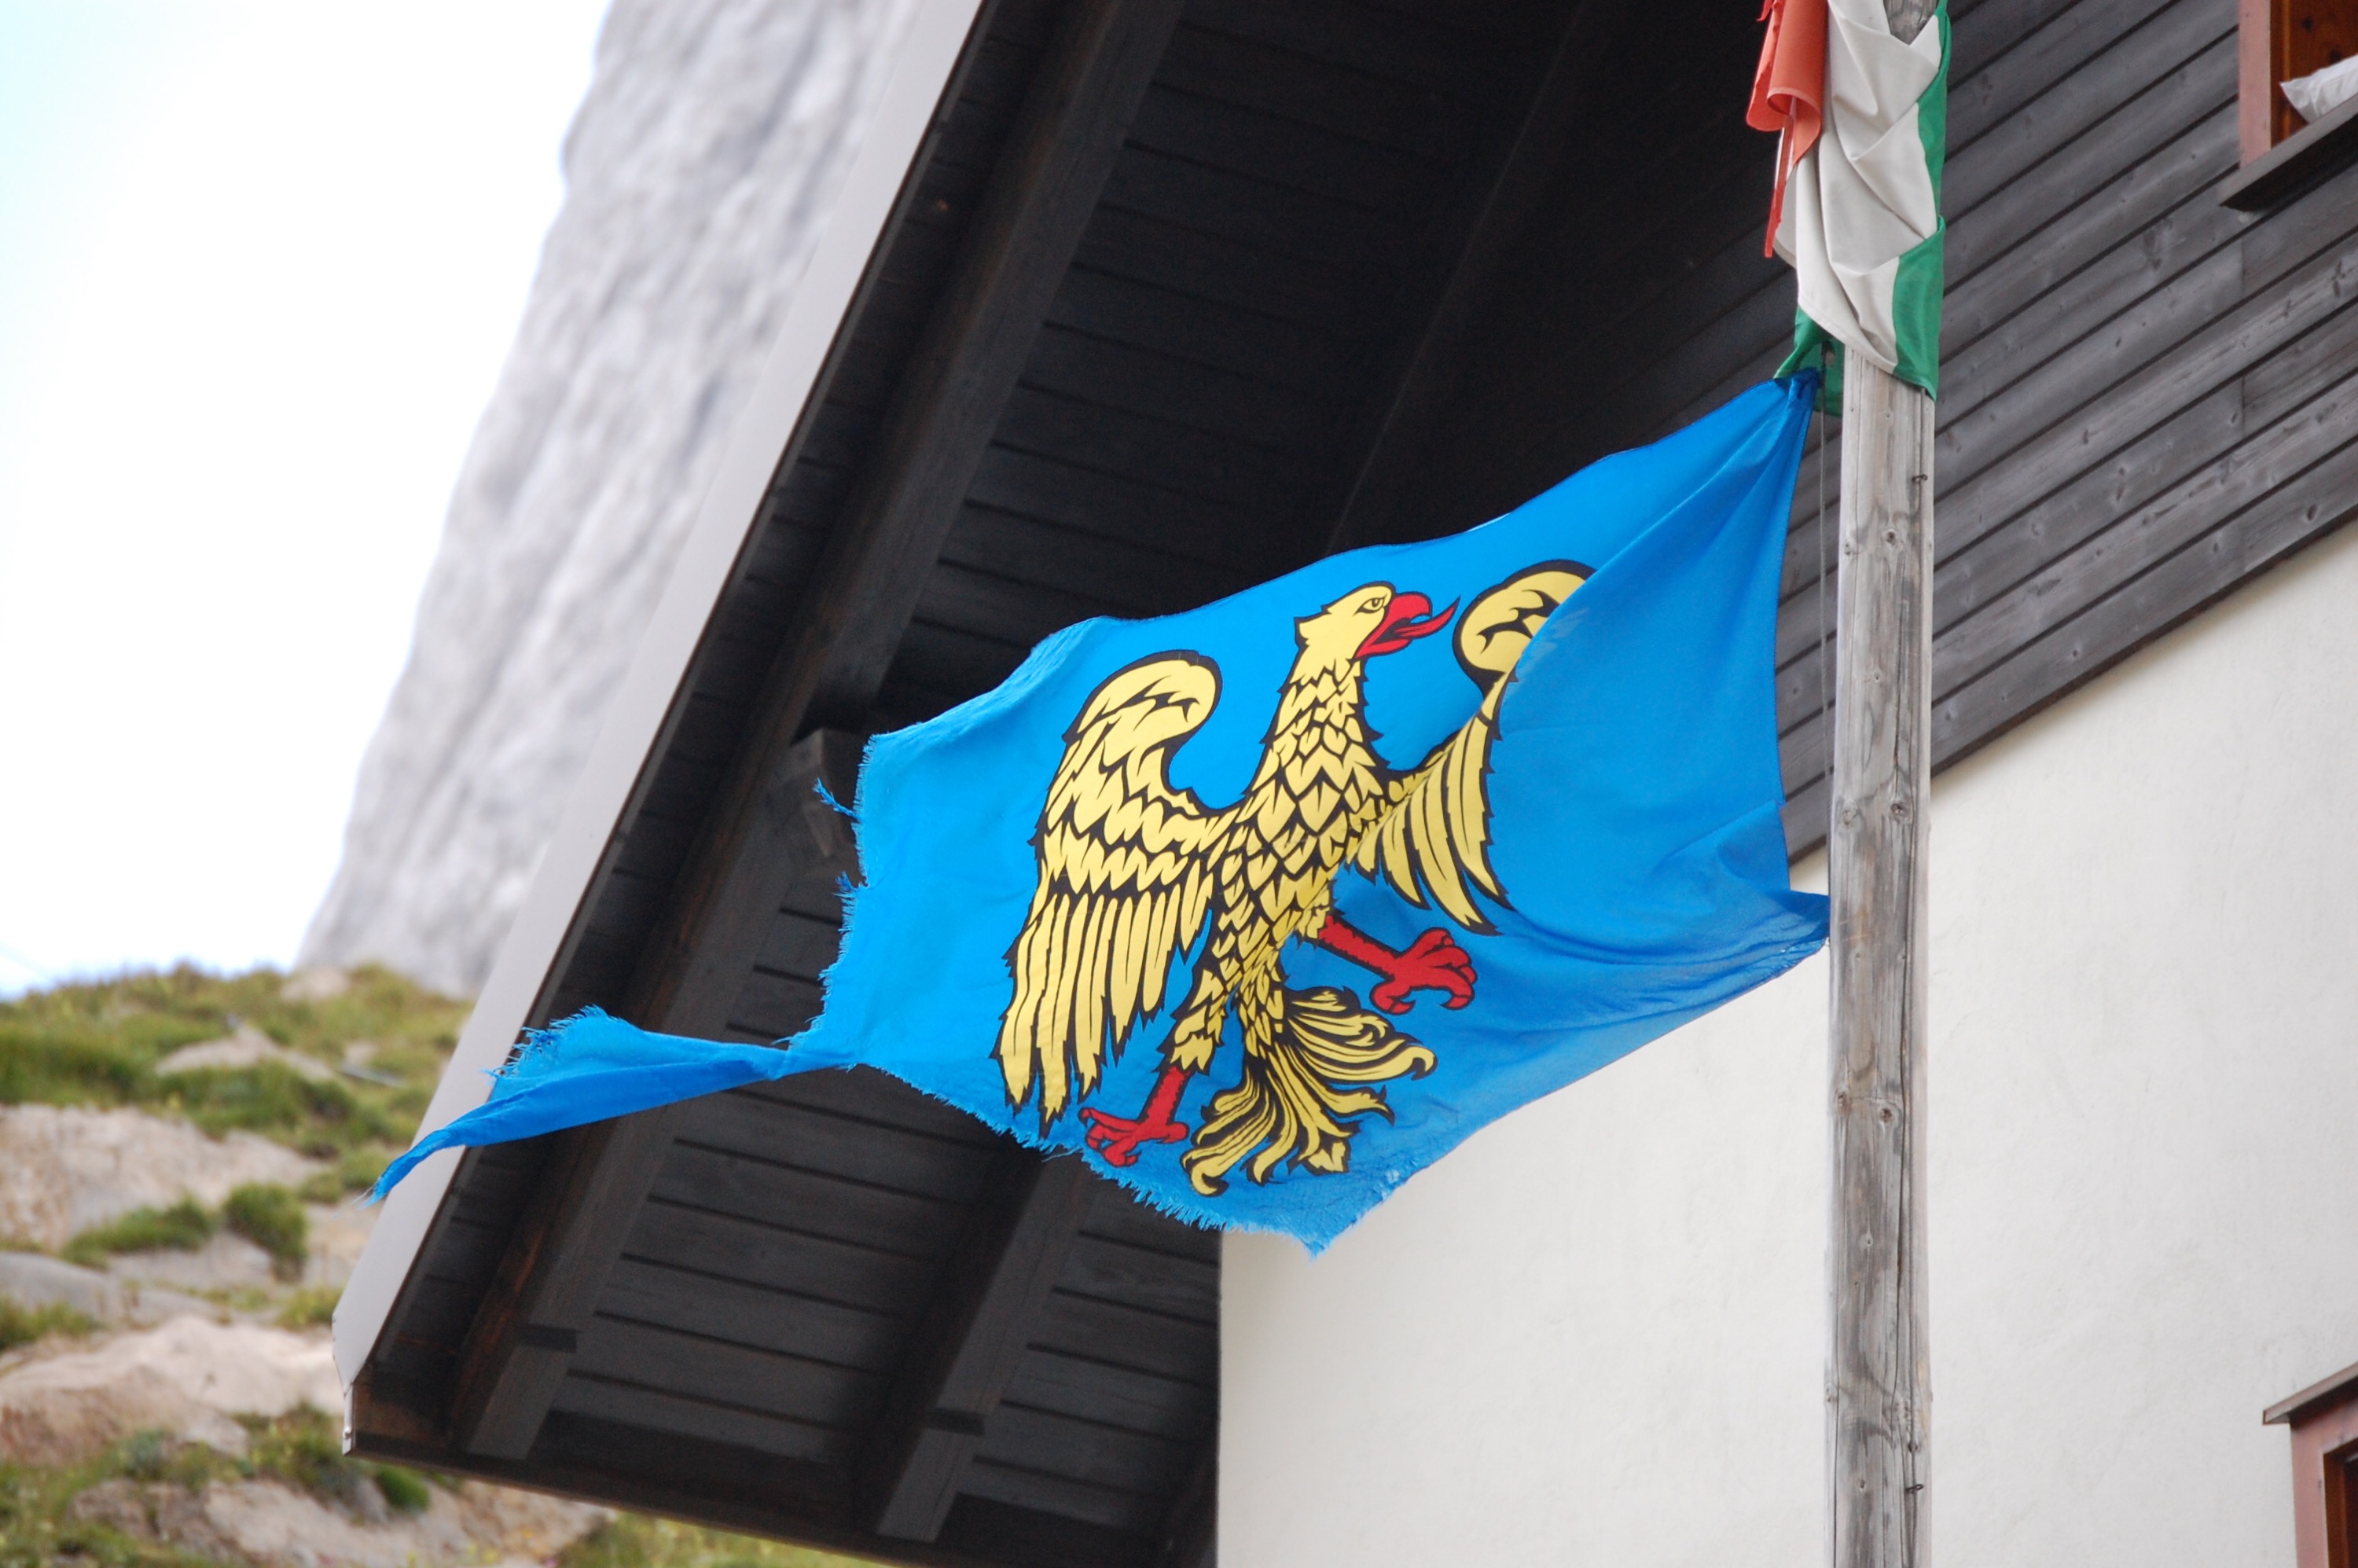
97 1043
385 1041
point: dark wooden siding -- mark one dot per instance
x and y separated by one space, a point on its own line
1179 432
2145 395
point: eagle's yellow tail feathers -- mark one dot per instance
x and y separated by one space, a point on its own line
1319 1049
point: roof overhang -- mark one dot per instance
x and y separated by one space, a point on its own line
1117 310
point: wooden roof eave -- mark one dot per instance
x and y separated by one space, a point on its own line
644 704
837 643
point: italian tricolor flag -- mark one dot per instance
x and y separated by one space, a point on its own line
1862 116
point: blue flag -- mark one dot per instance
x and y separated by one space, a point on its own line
1264 907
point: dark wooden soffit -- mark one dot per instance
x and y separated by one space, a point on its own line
762 838
901 1497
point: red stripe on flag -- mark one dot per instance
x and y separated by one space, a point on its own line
1789 92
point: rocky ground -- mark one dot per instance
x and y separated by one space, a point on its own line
179 1161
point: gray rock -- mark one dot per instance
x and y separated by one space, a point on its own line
64 1169
248 1047
38 1281
698 171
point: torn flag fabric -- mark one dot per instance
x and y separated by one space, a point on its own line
1264 907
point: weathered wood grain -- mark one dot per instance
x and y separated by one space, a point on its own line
1878 1373
948 1391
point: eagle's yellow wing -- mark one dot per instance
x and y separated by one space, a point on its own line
1125 881
1435 838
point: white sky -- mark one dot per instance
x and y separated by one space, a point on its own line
259 263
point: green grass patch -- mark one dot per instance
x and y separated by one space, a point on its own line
404 1490
634 1541
22 1325
183 1227
272 1218
314 1306
97 1043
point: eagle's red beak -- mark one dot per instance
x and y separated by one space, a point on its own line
1407 618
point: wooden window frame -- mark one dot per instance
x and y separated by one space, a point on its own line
2324 1421
2284 155
2279 40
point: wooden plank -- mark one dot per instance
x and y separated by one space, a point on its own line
1110 1506
2029 60
2223 348
1321 292
1115 506
800 945
1282 152
1126 1336
2000 560
1114 1396
1189 1535
1985 28
1341 34
2081 101
1154 451
771 1320
2014 211
760 1127
1134 1276
1492 206
2289 519
1239 207
1012 1534
655 1414
1181 392
1238 339
2092 262
526 1330
1878 1396
723 1371
780 1257
975 1333
1370 109
1107 1457
1134 579
2257 471
954 665
867 1095
775 1189
773 1007
986 602
1117 1217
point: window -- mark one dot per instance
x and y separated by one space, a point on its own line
2324 1421
2284 40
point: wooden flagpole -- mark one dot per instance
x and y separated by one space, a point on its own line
1877 1381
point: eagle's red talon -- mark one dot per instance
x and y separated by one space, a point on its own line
1117 1138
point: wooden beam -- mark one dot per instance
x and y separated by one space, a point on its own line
1399 416
1878 1383
528 1326
768 825
556 1265
1190 1534
965 1355
944 413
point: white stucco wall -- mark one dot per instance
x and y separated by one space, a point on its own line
1593 1335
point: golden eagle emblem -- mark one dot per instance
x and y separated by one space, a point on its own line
1132 872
